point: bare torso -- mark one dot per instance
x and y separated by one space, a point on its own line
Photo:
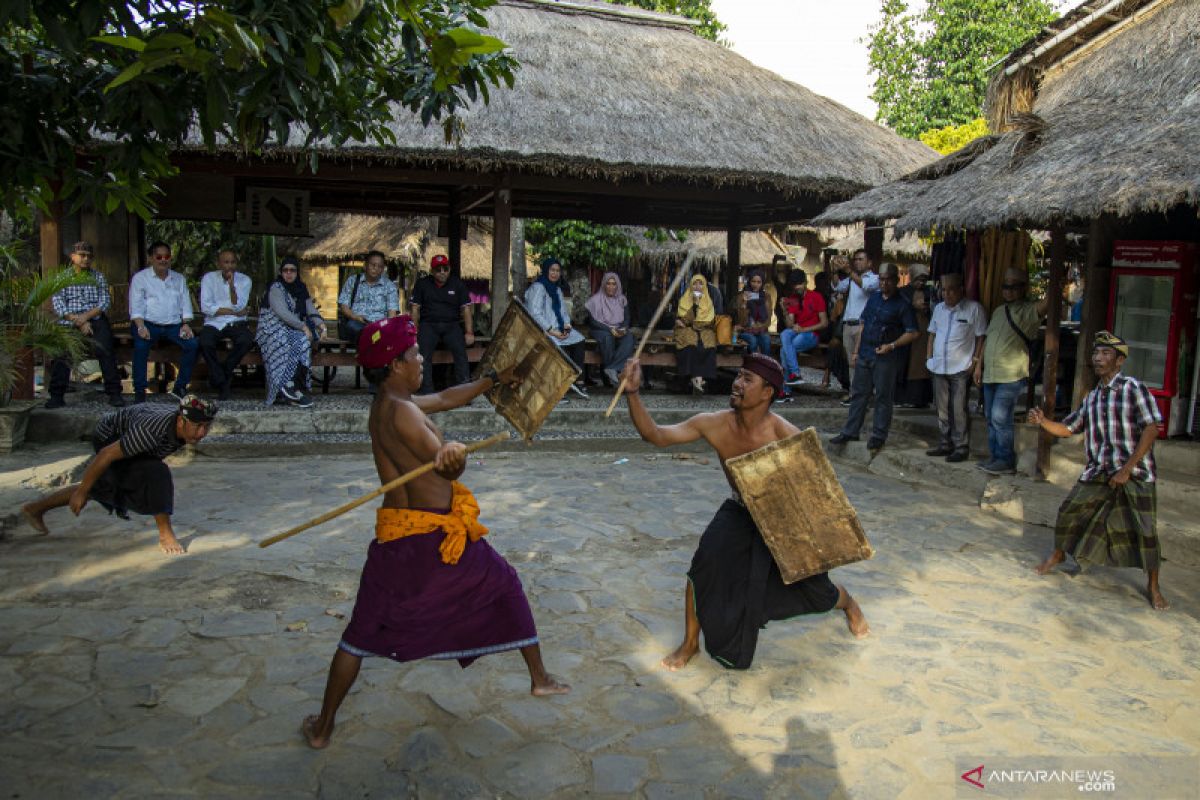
732 434
402 439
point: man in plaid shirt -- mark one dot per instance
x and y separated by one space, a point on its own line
1110 515
85 307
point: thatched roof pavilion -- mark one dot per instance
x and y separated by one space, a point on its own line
347 238
618 115
1096 115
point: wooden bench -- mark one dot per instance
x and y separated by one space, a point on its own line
332 353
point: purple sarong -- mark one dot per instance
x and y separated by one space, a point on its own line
410 605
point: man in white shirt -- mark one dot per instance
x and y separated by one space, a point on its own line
861 283
225 303
956 335
160 308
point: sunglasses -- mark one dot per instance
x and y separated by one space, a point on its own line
157 258
1011 286
289 269
441 269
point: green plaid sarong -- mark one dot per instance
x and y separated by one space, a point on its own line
1113 527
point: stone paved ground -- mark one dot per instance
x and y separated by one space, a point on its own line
128 674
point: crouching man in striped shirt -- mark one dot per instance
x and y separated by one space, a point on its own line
128 473
1110 516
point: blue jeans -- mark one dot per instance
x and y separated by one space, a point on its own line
999 402
792 343
757 342
141 354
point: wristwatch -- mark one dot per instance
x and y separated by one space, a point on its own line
491 374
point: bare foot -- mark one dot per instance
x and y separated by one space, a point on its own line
309 729
34 518
547 686
855 619
1157 600
682 655
169 544
1052 561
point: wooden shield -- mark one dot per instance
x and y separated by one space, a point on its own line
792 492
546 371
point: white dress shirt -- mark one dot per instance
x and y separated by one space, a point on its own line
163 301
954 331
857 300
214 294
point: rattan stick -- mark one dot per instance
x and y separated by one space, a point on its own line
662 306
387 487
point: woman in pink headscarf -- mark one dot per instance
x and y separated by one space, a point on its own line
608 319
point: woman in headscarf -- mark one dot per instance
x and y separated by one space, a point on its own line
609 321
914 385
752 314
547 303
695 335
288 326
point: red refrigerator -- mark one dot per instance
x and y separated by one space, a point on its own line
1153 308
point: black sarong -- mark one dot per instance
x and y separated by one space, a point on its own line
738 588
141 484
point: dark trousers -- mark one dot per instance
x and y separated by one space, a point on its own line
614 352
879 375
429 335
220 371
101 342
141 355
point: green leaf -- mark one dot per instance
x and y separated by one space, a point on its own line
346 12
171 40
127 42
128 74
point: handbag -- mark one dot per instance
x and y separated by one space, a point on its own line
344 330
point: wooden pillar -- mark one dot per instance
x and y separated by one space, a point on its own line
454 231
733 267
873 243
501 253
1097 275
517 277
50 232
1058 252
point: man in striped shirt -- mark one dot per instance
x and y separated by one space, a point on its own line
1109 517
86 307
128 473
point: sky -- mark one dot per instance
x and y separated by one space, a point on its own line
811 42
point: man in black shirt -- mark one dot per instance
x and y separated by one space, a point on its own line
128 473
441 307
888 323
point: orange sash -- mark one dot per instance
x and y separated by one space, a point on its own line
461 522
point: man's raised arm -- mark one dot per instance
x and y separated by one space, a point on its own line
657 435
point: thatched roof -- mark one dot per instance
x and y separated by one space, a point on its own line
904 249
610 92
338 238
710 247
1109 124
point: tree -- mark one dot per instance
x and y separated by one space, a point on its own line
700 10
580 244
952 137
931 67
97 93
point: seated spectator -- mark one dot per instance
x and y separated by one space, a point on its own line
441 307
86 307
160 308
752 314
288 327
365 298
805 314
608 320
547 304
225 303
695 334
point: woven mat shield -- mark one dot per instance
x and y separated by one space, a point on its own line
547 373
800 508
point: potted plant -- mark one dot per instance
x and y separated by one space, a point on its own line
27 325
